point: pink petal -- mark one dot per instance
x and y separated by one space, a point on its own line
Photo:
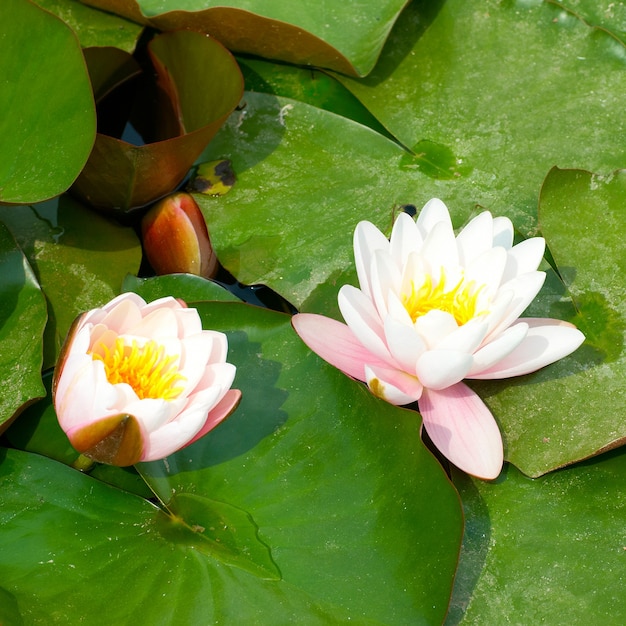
547 341
463 430
392 385
335 343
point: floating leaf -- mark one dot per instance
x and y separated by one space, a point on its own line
500 85
47 117
550 549
79 257
195 288
22 322
120 176
93 27
357 516
299 33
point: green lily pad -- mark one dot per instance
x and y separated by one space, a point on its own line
9 611
544 551
47 116
340 36
93 27
176 118
334 510
567 411
195 288
509 88
356 512
305 178
22 322
79 257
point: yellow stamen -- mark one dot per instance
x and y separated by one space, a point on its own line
147 369
460 301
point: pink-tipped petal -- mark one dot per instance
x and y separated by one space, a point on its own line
335 343
394 386
463 430
219 413
547 341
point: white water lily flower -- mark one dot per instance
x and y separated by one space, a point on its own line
433 309
137 382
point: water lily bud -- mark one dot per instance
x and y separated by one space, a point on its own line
175 238
137 382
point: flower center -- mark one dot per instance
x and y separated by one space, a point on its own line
460 301
147 369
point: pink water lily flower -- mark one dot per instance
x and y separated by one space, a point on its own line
434 309
136 381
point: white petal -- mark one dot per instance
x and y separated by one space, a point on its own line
476 238
466 338
157 324
363 320
547 341
405 238
438 369
487 269
435 326
434 211
367 239
439 249
524 257
525 288
502 232
405 345
397 310
393 386
497 349
385 277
